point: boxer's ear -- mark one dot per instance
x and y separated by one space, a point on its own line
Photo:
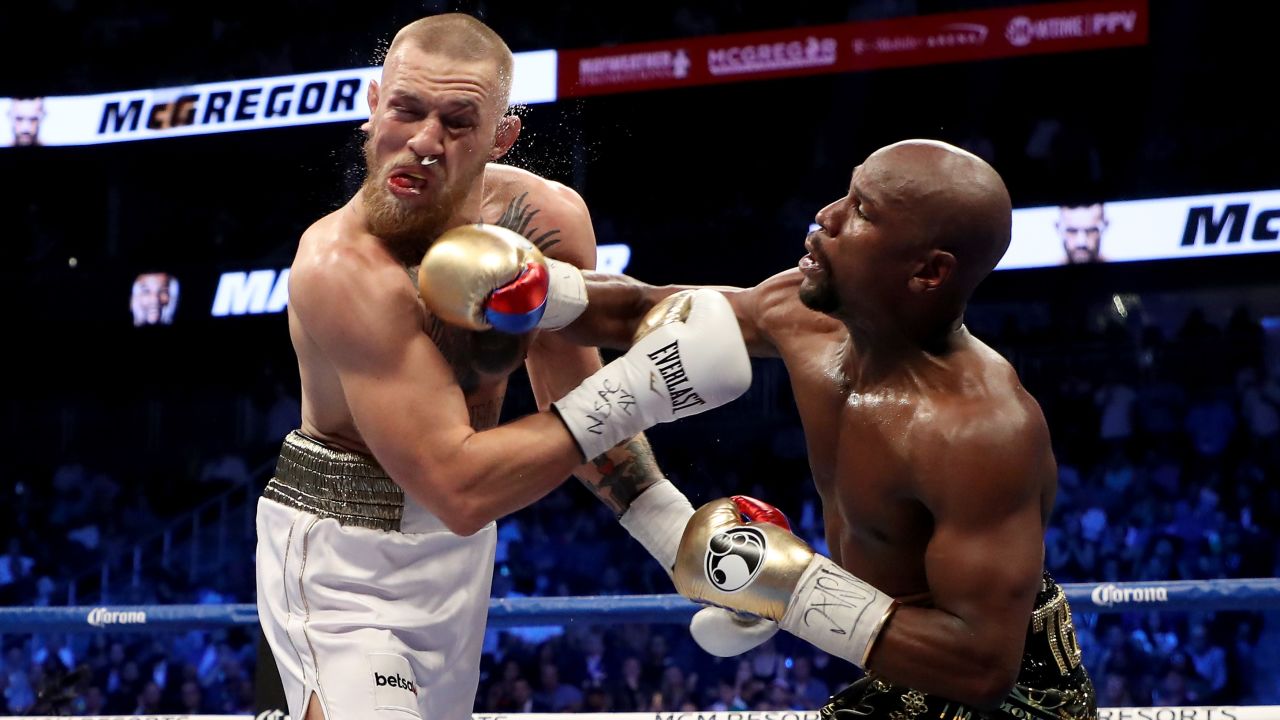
373 104
934 271
508 130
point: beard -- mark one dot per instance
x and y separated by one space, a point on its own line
408 231
819 294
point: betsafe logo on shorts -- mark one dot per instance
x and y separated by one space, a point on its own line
395 681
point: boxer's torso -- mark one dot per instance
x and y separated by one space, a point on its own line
481 362
864 439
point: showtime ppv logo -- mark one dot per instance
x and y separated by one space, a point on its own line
101 617
1109 594
765 57
1022 30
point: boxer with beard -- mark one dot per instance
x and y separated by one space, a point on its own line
376 535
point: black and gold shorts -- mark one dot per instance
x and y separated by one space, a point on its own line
1051 684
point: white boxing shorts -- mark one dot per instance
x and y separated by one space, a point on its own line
367 600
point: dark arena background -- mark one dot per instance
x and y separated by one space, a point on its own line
160 161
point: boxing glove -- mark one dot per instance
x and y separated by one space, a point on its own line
690 359
486 276
761 569
657 518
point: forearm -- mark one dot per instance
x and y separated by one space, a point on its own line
619 476
615 306
495 472
938 653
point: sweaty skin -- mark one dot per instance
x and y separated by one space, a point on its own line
933 463
383 377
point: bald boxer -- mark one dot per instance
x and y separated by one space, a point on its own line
933 463
376 535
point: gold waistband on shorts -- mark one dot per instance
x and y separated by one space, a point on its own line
346 486
1053 619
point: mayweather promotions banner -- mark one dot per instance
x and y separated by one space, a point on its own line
852 47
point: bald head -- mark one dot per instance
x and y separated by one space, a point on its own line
958 200
459 37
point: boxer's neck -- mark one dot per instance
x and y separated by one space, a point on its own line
879 352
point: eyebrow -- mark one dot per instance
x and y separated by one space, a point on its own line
860 191
448 105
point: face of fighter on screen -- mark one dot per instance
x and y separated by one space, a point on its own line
26 115
435 120
1081 228
150 297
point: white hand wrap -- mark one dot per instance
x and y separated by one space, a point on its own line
836 611
566 295
656 519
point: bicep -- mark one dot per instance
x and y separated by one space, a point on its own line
407 407
399 389
985 557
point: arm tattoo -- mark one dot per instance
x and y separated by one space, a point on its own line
625 472
517 217
485 414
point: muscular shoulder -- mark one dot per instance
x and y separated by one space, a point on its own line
551 214
342 282
988 430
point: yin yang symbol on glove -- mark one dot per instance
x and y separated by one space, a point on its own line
734 558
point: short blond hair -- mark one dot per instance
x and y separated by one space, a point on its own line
458 35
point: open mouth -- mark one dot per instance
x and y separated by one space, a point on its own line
407 183
811 263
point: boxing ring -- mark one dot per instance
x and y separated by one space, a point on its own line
1260 594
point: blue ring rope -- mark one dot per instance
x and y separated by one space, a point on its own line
1246 594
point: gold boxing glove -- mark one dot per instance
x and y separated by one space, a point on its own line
761 569
485 276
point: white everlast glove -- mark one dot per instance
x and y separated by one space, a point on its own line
657 519
764 570
692 359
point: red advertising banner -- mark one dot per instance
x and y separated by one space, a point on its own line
850 47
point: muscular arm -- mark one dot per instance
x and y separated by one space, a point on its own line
617 477
983 562
407 406
556 219
616 304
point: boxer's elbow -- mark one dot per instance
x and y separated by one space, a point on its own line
462 515
991 680
452 501
461 508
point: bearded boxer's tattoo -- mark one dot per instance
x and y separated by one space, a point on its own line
517 217
484 415
625 472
